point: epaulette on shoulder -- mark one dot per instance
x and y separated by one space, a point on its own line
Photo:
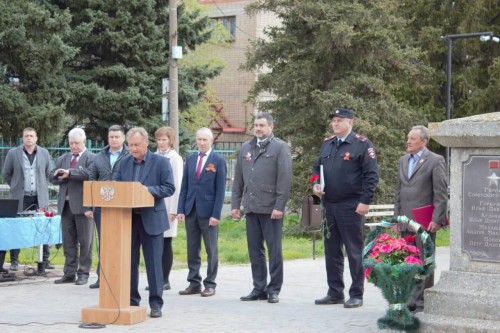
360 137
330 138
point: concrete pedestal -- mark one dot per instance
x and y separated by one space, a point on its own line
467 297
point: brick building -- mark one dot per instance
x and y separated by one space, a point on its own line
234 117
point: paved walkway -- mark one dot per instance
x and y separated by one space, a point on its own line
38 305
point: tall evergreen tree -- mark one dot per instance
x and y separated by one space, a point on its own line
354 54
116 76
32 53
475 65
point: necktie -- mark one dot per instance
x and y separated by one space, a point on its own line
411 165
198 168
339 142
72 165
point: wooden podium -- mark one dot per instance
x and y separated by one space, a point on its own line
117 200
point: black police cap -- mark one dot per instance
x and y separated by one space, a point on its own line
344 113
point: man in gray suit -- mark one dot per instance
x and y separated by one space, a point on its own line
72 169
26 170
262 181
421 182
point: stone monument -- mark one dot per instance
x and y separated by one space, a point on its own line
467 297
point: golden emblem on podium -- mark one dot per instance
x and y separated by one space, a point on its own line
107 193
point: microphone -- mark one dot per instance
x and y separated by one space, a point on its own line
29 211
34 206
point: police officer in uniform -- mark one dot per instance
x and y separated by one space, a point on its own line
350 177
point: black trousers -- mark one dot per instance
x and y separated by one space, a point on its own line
260 228
152 248
167 258
196 229
97 221
345 227
2 259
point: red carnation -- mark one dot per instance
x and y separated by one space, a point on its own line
313 178
410 239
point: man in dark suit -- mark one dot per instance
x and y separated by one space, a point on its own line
200 205
105 165
262 182
148 223
72 169
421 182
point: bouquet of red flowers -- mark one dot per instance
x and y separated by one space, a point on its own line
393 251
395 266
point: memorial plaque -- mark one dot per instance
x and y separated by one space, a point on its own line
481 208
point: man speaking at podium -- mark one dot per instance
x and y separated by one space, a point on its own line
148 223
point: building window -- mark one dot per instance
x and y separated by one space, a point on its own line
229 22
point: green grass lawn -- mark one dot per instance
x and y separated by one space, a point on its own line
297 244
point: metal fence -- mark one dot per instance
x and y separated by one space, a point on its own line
227 150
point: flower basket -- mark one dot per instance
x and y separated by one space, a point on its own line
394 265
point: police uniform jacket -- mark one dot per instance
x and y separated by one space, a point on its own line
350 171
263 176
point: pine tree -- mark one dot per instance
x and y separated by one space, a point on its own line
32 54
116 76
475 65
328 54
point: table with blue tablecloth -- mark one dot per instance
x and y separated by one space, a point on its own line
21 232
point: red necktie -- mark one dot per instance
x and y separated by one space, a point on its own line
198 168
72 165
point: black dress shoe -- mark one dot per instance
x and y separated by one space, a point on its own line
255 296
190 291
82 280
208 292
155 313
329 300
95 285
48 265
273 298
353 303
65 279
14 266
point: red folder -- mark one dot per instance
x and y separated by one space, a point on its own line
423 215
